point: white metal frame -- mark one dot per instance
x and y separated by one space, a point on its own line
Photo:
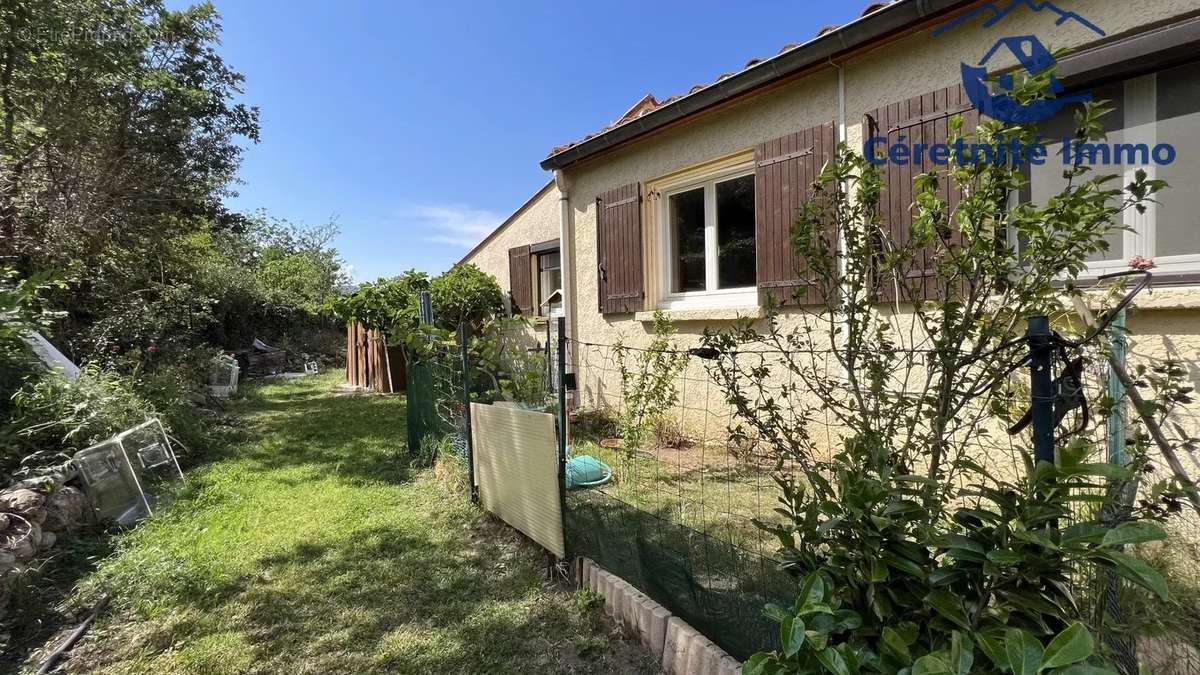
226 390
1141 126
119 440
711 297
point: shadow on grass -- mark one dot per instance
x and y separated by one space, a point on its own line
392 600
39 604
309 428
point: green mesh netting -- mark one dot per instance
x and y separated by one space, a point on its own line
719 589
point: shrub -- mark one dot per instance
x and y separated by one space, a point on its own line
466 294
648 387
55 417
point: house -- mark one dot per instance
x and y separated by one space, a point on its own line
523 255
747 145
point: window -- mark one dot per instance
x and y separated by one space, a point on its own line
1161 107
707 243
549 283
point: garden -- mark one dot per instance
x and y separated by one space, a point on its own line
948 451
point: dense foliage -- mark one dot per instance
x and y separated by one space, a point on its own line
918 553
120 135
390 305
465 294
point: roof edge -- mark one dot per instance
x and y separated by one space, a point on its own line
896 17
507 221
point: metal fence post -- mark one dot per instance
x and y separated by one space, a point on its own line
1041 385
1124 648
562 424
464 347
426 308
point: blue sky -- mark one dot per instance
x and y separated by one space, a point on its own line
419 125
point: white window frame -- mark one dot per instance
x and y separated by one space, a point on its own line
539 312
712 297
1141 126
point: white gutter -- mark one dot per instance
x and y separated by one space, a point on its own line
566 250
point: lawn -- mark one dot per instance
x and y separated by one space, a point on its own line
308 547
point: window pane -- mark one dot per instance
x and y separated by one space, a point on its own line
735 233
549 279
1177 219
548 260
1047 180
687 241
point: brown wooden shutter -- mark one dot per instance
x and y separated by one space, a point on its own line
619 249
520 280
785 170
920 119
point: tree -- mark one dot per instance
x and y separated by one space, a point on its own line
119 133
466 294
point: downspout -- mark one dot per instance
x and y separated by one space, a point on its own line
842 137
566 249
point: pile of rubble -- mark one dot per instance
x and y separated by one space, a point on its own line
33 514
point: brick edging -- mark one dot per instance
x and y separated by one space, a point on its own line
681 649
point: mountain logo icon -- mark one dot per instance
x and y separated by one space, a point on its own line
993 96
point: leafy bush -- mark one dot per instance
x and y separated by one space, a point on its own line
390 305
466 294
648 387
54 417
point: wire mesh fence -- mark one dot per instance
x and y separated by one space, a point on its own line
681 518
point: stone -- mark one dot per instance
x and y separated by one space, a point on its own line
65 509
699 650
730 666
48 541
675 646
21 540
652 626
24 502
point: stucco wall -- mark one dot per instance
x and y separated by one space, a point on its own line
906 67
536 222
894 71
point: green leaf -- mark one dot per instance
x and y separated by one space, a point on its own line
904 565
833 661
962 654
1083 533
813 590
792 633
1070 646
1024 652
931 665
1084 669
879 571
776 613
950 606
1136 571
994 650
1134 533
759 664
894 646
1005 558
1099 470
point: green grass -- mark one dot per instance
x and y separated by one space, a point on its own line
703 488
308 547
